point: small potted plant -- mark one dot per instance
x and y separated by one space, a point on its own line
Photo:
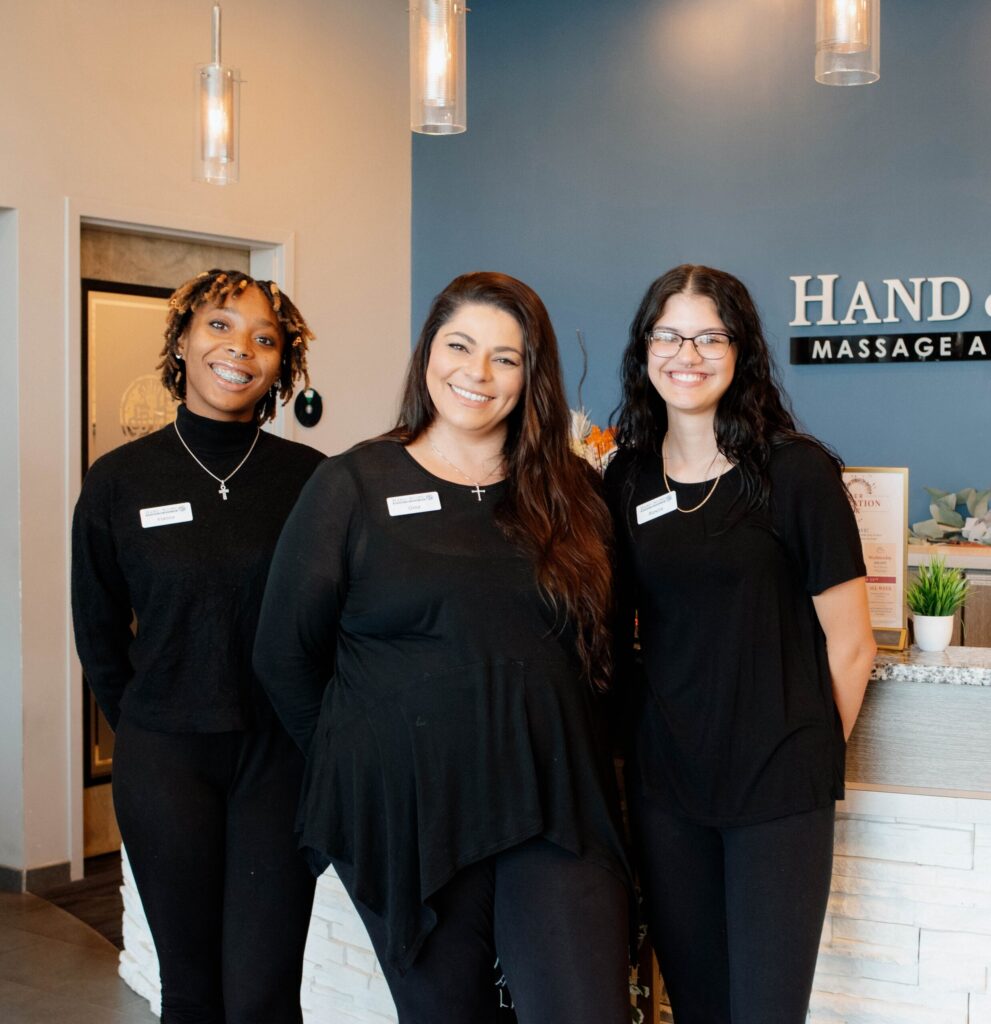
934 598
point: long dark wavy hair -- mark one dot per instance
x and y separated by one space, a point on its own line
753 416
551 507
220 287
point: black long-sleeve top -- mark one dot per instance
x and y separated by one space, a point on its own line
439 696
194 584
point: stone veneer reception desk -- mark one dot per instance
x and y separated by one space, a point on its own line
907 938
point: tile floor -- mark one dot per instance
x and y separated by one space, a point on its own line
56 970
95 898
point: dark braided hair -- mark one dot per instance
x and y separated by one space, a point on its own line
219 287
752 417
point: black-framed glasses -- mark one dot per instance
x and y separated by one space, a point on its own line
709 344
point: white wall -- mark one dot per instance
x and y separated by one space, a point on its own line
97 121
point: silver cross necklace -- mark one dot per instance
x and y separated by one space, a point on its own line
478 490
224 489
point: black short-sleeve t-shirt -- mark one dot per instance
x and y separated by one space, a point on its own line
735 722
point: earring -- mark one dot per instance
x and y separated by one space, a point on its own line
178 355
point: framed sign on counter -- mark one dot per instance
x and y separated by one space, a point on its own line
880 500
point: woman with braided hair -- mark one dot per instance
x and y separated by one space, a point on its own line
176 530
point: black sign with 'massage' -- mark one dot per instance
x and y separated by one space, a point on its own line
935 347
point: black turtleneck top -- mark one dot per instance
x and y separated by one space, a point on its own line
154 540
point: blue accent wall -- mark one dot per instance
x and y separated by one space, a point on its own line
609 141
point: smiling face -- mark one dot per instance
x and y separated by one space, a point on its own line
232 355
475 371
686 382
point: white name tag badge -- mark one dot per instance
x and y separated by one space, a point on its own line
657 507
413 504
166 515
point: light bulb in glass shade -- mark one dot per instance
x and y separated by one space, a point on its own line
437 67
218 96
216 156
848 50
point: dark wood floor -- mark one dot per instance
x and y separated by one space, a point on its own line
95 899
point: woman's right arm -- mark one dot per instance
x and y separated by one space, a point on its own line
101 601
296 641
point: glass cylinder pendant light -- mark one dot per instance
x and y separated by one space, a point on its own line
848 42
218 117
438 104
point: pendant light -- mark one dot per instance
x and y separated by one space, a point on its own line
438 104
218 117
848 42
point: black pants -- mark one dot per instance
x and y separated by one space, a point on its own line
557 924
207 821
735 914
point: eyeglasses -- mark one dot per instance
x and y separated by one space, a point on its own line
709 344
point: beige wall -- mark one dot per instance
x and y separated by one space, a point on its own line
97 123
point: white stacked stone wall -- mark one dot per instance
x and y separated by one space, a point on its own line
907 938
138 964
342 980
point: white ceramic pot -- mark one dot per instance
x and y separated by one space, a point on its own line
932 632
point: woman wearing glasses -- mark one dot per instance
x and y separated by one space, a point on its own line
739 559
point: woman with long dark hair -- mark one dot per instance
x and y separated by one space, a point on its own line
740 562
176 530
434 632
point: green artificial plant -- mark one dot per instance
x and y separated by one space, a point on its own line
938 589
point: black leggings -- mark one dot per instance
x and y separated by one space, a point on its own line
557 924
207 821
735 914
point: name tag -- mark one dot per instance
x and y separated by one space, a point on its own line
166 515
411 504
657 507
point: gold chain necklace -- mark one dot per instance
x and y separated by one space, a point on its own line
712 490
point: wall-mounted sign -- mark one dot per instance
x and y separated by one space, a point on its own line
919 300
941 347
880 503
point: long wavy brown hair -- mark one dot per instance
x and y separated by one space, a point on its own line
552 506
220 287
